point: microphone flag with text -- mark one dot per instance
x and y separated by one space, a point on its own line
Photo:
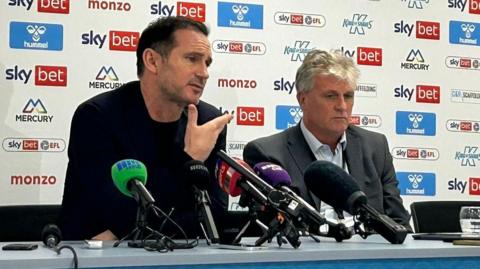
334 186
237 177
305 214
198 175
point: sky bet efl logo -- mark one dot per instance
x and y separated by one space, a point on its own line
424 29
416 183
423 93
239 47
240 15
372 121
33 144
299 19
48 6
412 153
464 33
463 62
36 36
415 123
44 75
464 126
118 40
473 5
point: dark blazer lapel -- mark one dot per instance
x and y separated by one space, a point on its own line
355 158
298 148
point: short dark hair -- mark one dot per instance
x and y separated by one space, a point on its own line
159 35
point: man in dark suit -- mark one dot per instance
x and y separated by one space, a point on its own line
325 84
158 120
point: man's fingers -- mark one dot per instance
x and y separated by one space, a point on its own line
221 121
192 115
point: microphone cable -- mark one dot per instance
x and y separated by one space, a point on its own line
52 236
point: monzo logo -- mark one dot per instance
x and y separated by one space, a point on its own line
240 15
35 35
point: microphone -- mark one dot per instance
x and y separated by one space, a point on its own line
130 177
198 175
280 179
337 188
51 236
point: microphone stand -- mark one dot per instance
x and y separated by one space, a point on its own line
205 216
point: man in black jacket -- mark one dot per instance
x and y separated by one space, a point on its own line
158 120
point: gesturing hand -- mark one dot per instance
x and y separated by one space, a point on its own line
200 139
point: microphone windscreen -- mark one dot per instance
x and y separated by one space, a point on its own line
197 174
331 184
273 174
51 230
125 170
227 178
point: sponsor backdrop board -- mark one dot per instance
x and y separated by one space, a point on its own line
420 64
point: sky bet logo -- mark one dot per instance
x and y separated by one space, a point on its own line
254 116
48 6
464 33
194 11
412 153
240 15
415 61
35 35
33 144
287 116
34 111
424 93
44 75
239 47
283 85
357 24
365 55
464 126
299 19
462 63
416 183
473 7
415 123
461 185
118 40
424 29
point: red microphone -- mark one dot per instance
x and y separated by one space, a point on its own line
228 177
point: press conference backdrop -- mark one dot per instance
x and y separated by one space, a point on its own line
419 85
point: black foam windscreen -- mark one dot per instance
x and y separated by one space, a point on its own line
51 235
331 184
197 174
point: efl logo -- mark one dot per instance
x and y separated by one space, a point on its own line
474 186
194 11
416 183
299 19
462 63
428 30
37 36
238 47
287 116
412 153
369 56
254 116
373 121
240 15
33 145
54 6
51 75
465 126
123 41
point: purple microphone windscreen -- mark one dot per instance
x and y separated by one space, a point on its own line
273 174
331 184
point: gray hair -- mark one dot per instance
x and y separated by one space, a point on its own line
320 62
